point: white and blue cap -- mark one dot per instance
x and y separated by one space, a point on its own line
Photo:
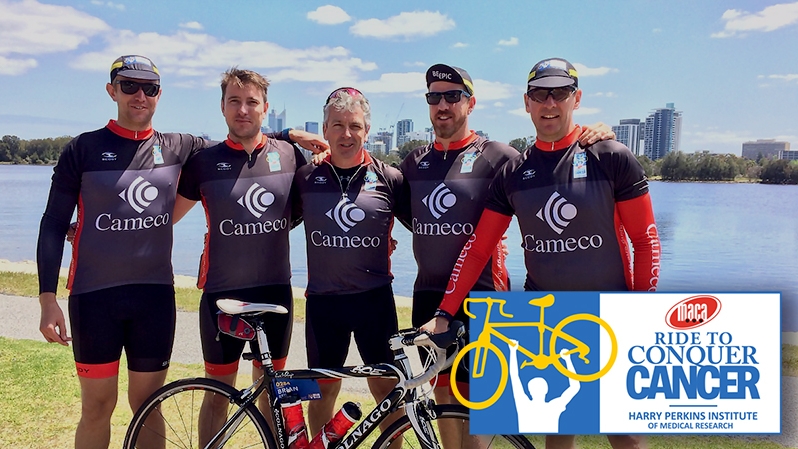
552 73
136 67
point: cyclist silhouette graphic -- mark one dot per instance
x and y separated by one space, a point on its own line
535 415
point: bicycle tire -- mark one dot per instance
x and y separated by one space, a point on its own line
559 364
178 404
476 345
458 416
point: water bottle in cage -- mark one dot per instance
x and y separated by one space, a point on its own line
294 421
334 431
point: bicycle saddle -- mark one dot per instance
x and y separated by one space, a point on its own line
236 307
544 301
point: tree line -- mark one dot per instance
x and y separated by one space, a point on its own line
675 166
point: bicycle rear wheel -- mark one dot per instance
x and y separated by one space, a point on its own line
450 424
170 418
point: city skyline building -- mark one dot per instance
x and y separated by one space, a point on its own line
276 121
312 127
768 148
628 132
403 127
663 129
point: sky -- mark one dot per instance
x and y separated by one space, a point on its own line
729 66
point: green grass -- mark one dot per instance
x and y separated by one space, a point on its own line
187 299
789 360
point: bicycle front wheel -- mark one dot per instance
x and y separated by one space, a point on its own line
477 361
451 429
170 418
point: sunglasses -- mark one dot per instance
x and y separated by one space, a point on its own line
349 90
451 96
131 87
558 94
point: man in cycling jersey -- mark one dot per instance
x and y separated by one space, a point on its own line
602 191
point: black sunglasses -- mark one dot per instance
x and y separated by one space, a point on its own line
131 87
558 94
451 96
349 90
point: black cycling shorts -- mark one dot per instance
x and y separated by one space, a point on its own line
221 351
425 303
139 318
332 319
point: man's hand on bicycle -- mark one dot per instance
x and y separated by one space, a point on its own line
437 325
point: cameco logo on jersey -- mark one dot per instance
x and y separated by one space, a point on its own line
557 212
140 194
257 200
440 200
693 312
346 214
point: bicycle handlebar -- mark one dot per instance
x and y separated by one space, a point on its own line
500 302
438 343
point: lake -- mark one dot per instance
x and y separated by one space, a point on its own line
715 236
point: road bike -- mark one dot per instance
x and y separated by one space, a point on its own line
540 360
169 418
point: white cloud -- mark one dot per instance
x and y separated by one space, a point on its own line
584 70
460 45
603 94
493 90
113 5
328 15
586 111
394 83
498 104
769 19
520 112
656 30
192 25
201 56
415 64
16 66
479 106
509 42
406 25
33 28
788 77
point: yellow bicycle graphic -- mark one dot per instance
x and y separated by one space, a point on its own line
541 360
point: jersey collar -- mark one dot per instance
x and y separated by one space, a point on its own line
561 144
128 134
460 144
366 158
238 146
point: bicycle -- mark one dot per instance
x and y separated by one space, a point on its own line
170 414
541 360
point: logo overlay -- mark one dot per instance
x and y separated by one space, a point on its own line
557 213
140 194
257 200
440 200
591 363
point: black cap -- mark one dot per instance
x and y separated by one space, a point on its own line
443 72
136 67
550 73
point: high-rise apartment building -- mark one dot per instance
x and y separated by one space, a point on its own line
277 121
402 128
768 148
628 133
663 130
312 127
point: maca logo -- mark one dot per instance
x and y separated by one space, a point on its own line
257 200
440 200
346 214
557 213
693 312
140 194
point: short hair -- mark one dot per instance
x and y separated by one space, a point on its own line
240 78
344 101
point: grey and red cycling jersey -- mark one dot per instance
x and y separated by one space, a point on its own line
348 229
248 211
123 183
575 207
447 192
565 201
